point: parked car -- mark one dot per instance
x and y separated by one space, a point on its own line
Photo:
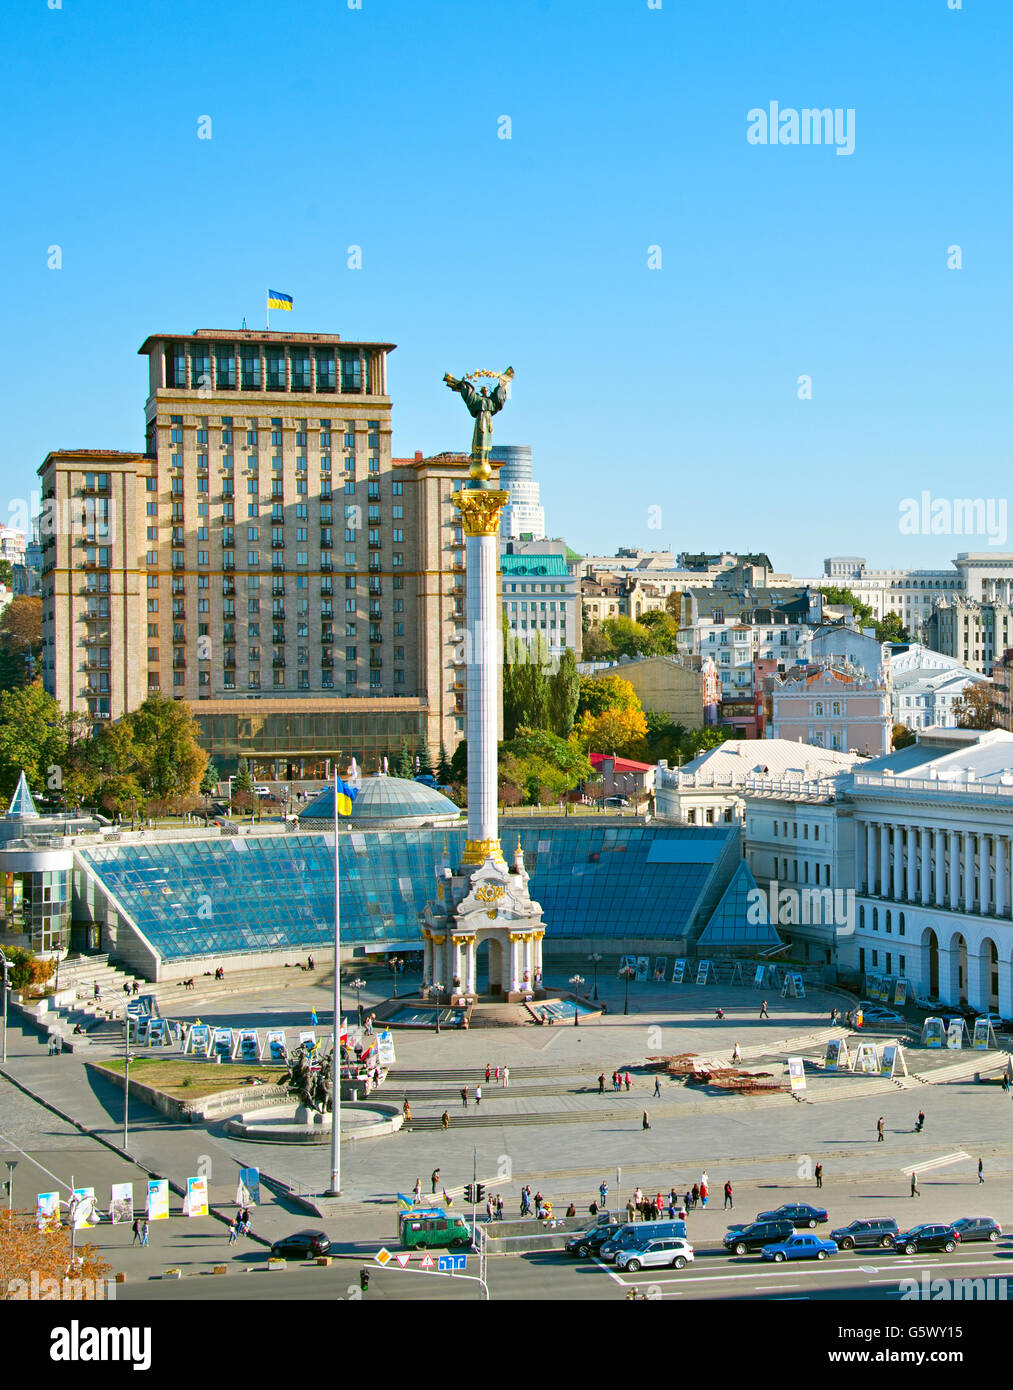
977 1228
862 1234
745 1239
799 1247
262 791
798 1213
617 801
927 1237
883 1017
589 1242
303 1245
639 1233
670 1251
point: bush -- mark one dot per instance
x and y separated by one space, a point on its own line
28 972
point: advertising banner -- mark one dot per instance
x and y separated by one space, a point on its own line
121 1203
385 1047
158 1199
248 1192
276 1048
247 1047
678 972
196 1196
796 1073
222 1045
47 1210
83 1208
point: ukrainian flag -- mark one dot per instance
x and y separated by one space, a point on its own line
278 301
344 795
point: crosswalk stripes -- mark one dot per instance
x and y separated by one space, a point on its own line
943 1162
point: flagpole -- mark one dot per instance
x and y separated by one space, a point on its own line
267 299
335 1188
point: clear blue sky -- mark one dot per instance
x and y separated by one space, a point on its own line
673 388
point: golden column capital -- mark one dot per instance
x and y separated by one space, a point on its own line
480 510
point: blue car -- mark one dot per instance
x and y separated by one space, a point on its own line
800 1247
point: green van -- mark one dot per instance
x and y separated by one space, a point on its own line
433 1230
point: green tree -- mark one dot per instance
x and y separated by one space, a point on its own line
628 638
20 642
701 740
209 781
903 737
563 695
525 685
425 761
444 772
6 573
835 594
663 630
664 739
459 763
170 760
595 646
892 629
405 765
33 739
550 749
973 707
243 780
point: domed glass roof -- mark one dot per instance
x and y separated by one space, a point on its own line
386 799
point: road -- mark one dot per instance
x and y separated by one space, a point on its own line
874 1275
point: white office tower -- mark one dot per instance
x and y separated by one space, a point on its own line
523 516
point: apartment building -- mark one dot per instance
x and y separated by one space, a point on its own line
272 565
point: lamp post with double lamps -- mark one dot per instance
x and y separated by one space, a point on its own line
595 962
5 966
437 986
394 965
358 984
627 973
11 1164
576 981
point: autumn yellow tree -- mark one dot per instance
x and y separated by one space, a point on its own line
37 1264
620 731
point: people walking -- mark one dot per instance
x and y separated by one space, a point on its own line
736 1055
631 1210
417 1192
498 1204
981 1171
645 1122
818 1174
626 1079
763 1010
506 1076
136 1228
601 1083
464 1096
233 1231
445 1124
436 1172
657 1085
879 1130
603 1191
920 1122
704 1191
729 1199
914 1185
478 1095
488 1073
144 1232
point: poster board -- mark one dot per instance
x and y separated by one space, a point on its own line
246 1045
626 963
157 1033
198 1040
932 1032
866 1059
221 1045
643 968
197 1196
703 971
892 1062
121 1203
984 1035
955 1034
83 1212
796 1074
660 968
158 1199
385 1048
276 1049
678 972
308 1040
47 1210
837 1056
248 1191
900 992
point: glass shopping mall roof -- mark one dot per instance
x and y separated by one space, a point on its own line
221 895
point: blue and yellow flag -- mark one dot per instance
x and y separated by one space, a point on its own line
278 301
344 795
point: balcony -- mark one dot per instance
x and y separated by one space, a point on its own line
278 662
277 545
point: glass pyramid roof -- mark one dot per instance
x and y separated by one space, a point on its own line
22 804
730 923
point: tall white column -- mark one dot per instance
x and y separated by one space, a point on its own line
953 856
925 895
940 866
898 863
910 832
871 845
861 868
884 860
984 872
1001 874
968 871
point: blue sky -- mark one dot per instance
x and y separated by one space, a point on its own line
672 388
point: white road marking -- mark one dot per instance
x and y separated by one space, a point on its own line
775 1288
942 1162
823 1267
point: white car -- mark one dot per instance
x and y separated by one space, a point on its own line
654 1254
262 791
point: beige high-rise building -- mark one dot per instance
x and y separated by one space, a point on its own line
266 559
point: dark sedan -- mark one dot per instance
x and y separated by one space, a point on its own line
303 1245
587 1243
939 1236
977 1228
800 1214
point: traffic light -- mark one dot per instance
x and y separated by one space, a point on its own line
7 1189
364 1280
479 1191
469 1193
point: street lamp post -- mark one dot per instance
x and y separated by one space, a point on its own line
595 961
627 974
357 985
438 987
576 981
12 1163
4 967
395 964
127 1059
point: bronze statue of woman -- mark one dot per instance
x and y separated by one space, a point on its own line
483 407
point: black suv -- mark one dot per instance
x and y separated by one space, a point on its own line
587 1243
743 1239
882 1231
800 1214
977 1228
932 1237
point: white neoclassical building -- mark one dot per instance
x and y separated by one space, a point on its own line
924 838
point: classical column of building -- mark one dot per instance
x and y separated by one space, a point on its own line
1001 878
910 888
925 896
940 867
954 862
968 871
861 867
898 863
871 865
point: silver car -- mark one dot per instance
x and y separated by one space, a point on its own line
669 1251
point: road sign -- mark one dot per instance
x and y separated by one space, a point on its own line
402 1260
426 1262
451 1262
383 1257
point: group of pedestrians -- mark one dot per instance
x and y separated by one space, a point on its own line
619 1080
240 1225
140 1230
494 1208
500 1075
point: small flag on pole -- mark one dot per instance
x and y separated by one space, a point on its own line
344 795
278 301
